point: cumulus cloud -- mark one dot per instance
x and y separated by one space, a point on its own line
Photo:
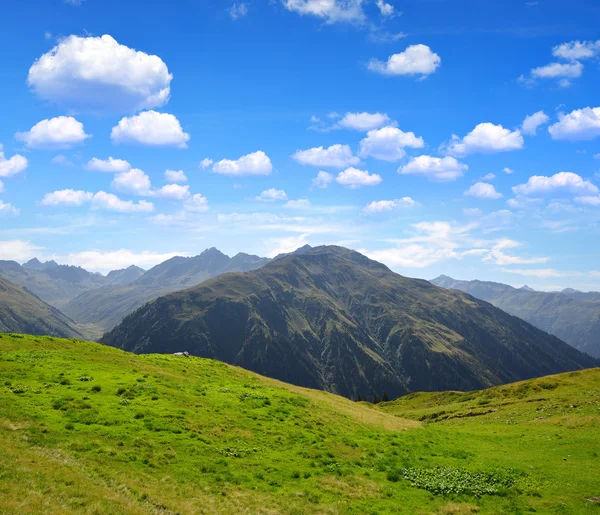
380 206
173 192
72 198
109 165
508 171
150 128
558 70
98 74
385 9
238 10
322 180
271 195
336 156
354 178
574 50
566 182
17 250
483 190
415 60
581 124
109 202
53 133
8 210
175 176
196 204
257 163
331 11
488 177
485 138
388 143
364 121
133 182
9 167
589 200
301 203
206 163
532 122
434 168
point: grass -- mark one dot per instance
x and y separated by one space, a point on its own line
86 428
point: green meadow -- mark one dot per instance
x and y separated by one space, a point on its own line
86 428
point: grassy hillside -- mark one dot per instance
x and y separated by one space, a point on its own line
331 318
86 428
572 316
20 311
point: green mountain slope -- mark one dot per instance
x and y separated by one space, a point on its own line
333 319
22 312
106 307
572 316
86 428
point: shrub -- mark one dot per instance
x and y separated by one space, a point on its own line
96 388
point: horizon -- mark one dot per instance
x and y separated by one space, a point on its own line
432 139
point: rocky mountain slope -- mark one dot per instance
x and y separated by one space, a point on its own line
571 315
333 319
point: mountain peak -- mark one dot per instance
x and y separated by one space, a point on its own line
36 264
526 288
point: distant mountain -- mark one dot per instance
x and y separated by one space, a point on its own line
22 312
330 318
570 315
526 288
53 283
106 307
125 275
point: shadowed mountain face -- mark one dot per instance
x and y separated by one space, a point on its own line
22 312
125 276
330 318
571 315
106 307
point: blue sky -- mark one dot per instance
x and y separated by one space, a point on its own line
456 137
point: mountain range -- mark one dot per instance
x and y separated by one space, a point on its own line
105 307
23 312
330 318
571 315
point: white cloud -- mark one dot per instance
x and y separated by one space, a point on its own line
301 203
561 182
380 206
486 138
577 50
330 10
558 70
589 200
271 195
354 178
108 165
322 180
238 10
434 168
364 121
508 171
61 160
173 192
540 272
387 144
8 210
532 122
581 124
133 182
196 204
385 8
257 163
1 187
99 74
67 198
415 60
483 190
206 163
336 156
488 177
17 250
499 257
9 167
109 202
59 132
150 128
472 212
96 260
175 176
